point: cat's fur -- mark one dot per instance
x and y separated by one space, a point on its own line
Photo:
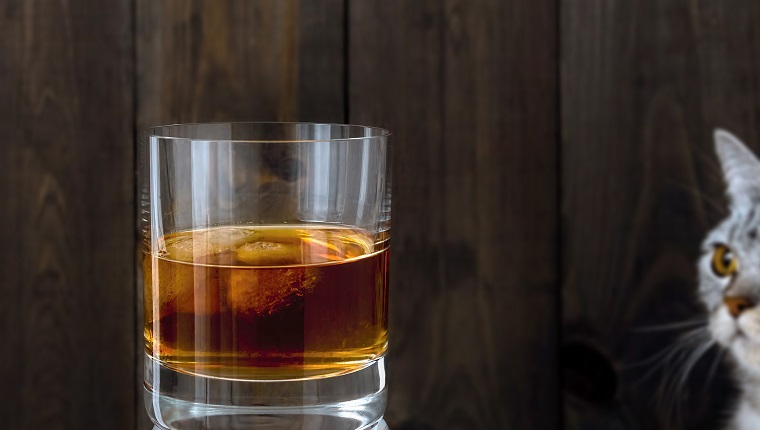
740 231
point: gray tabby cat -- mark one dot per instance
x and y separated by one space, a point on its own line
729 276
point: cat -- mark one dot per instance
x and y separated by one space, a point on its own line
729 277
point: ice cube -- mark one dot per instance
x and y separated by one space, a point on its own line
200 246
190 289
227 238
263 253
265 291
187 269
180 287
186 248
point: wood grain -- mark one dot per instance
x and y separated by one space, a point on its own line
66 230
469 90
643 85
204 60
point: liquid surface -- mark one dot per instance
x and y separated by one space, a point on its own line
266 302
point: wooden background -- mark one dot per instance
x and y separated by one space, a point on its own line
553 177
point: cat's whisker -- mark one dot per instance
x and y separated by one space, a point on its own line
680 356
661 359
708 156
719 208
671 391
695 335
678 364
673 388
670 326
714 367
714 169
686 341
670 350
696 355
668 389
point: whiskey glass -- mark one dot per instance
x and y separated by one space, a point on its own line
264 275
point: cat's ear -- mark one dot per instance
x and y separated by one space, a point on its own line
740 168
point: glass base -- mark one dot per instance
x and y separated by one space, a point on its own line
180 401
380 425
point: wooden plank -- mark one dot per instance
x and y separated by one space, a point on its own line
644 84
469 90
269 60
66 219
227 60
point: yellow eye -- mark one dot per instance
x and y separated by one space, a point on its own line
723 261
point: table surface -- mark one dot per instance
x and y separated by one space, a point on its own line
382 425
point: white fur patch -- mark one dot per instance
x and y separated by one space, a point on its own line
747 417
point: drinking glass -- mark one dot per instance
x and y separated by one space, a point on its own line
265 275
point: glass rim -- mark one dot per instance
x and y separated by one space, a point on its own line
156 131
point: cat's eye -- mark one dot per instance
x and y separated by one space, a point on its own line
723 261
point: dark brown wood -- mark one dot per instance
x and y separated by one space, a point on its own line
644 83
66 216
469 90
205 60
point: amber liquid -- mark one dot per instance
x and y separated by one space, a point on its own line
266 302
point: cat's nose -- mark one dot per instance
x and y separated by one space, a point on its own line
737 305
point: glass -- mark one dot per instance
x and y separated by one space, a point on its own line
265 275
